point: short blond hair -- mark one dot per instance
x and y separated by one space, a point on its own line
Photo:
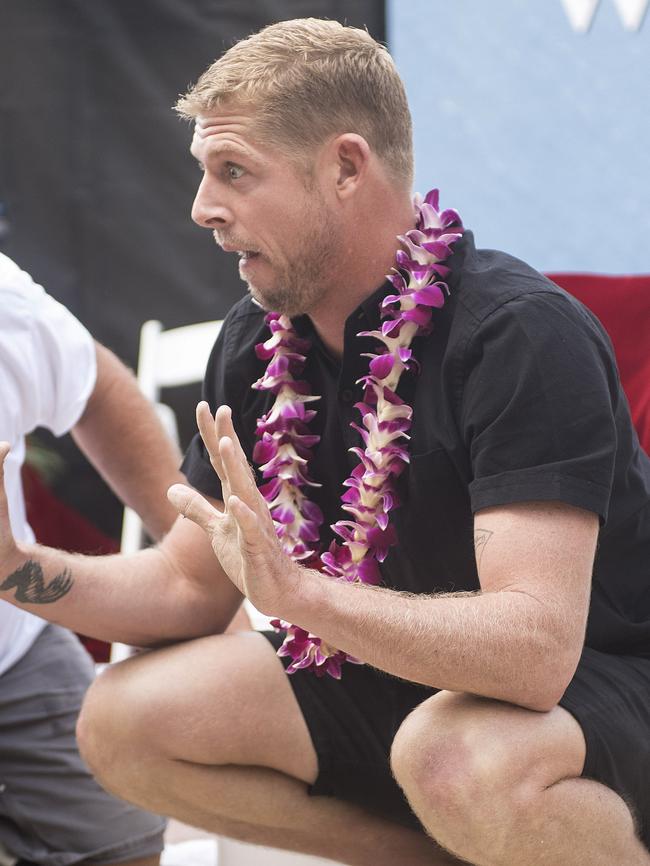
309 79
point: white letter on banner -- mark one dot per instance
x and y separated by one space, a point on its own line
631 12
581 13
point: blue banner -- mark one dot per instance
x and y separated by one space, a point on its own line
534 120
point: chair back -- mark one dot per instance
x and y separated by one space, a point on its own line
167 359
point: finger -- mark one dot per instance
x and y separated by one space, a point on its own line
6 534
5 448
225 430
225 427
239 474
192 505
247 520
206 425
257 539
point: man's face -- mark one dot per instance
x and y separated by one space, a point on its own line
263 205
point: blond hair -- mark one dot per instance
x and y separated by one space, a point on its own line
309 79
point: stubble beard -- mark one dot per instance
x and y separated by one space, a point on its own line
302 284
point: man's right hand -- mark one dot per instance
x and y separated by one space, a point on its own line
10 555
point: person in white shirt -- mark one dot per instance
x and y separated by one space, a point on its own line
54 375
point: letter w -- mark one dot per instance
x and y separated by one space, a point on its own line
581 13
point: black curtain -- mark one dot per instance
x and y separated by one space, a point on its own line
96 182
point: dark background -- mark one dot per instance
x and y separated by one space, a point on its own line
96 182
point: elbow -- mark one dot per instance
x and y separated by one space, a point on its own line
548 678
549 655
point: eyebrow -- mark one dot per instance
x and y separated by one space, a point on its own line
223 148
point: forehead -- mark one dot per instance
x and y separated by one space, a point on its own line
227 130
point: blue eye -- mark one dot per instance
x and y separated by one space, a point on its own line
234 171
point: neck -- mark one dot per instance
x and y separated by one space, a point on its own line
366 257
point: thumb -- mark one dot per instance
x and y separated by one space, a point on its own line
5 448
189 503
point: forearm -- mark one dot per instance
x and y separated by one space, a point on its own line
123 438
142 600
497 644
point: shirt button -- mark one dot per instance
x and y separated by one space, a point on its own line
347 395
3 788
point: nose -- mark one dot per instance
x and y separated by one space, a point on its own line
208 210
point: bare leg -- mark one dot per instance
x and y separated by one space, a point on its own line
210 732
501 786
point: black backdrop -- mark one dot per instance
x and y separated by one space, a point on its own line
96 182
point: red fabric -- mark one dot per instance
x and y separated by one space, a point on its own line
57 525
622 303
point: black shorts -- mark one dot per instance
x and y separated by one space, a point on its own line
353 722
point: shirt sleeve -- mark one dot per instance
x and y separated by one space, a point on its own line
538 406
47 358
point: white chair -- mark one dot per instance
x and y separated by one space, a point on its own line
167 359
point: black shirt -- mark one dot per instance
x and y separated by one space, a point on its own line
518 399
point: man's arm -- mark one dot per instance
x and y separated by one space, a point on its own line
168 593
121 435
518 640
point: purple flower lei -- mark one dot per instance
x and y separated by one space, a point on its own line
284 442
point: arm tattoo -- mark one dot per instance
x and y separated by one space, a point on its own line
481 538
30 586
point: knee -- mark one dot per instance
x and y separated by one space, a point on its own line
111 727
462 780
437 765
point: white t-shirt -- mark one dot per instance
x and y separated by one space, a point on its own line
47 373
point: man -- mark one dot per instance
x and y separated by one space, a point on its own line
478 715
53 374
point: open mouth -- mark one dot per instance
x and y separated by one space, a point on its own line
247 255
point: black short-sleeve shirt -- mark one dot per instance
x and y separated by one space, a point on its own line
518 399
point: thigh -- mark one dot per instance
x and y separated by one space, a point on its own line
609 697
217 700
51 809
227 699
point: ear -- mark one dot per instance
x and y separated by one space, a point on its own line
350 158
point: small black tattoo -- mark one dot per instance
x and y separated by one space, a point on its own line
30 586
481 538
